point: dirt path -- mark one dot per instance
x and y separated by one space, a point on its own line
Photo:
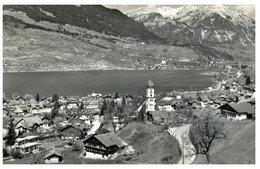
181 134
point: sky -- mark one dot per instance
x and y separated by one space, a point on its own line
247 9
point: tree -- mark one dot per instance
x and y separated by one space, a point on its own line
140 115
77 146
37 97
248 80
103 108
55 98
11 135
123 102
55 110
28 97
205 131
14 96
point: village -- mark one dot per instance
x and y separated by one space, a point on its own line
59 129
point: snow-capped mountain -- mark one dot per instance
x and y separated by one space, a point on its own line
209 25
142 12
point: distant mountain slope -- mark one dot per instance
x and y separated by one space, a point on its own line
93 17
62 38
209 25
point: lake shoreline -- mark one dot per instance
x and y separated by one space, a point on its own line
106 82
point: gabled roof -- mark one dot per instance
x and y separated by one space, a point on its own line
240 108
160 114
20 97
33 120
69 126
26 138
204 98
18 110
110 139
53 152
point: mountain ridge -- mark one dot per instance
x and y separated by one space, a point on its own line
200 25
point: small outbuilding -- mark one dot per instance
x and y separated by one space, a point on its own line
53 156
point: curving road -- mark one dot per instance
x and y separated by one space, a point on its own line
181 134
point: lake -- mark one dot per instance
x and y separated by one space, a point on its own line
83 82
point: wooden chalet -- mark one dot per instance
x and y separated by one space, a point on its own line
238 111
70 132
28 144
103 144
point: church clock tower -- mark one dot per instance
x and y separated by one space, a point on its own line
150 99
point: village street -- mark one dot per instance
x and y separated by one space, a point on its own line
182 135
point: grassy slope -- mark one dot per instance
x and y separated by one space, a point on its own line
239 148
94 17
38 46
151 146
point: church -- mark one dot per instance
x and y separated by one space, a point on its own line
153 115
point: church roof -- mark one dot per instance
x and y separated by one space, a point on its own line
150 84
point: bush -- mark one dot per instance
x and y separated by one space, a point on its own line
17 154
77 146
5 152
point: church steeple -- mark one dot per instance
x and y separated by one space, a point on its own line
150 84
150 99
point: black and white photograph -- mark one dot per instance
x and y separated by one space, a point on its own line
144 83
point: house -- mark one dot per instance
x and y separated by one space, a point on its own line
204 100
32 124
177 104
72 105
70 132
53 156
20 100
18 111
159 117
92 105
33 103
238 111
250 88
194 104
165 106
103 144
28 144
84 128
128 99
6 112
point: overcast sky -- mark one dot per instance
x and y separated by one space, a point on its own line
247 9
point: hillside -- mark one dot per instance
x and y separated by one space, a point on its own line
151 145
66 38
92 17
239 148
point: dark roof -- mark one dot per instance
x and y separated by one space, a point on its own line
20 97
53 152
67 126
30 121
110 139
160 114
104 130
204 98
240 107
